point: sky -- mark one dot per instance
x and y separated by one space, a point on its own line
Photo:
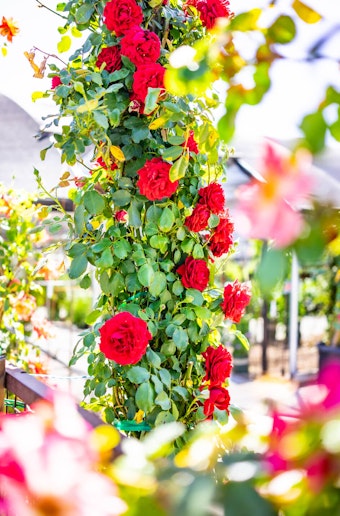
297 85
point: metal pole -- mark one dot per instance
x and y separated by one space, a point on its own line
293 316
2 382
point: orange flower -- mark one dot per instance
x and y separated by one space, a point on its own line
8 28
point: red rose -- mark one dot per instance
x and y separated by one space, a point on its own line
222 238
191 143
121 216
217 365
219 398
141 46
210 10
122 15
213 196
147 76
56 81
154 180
102 163
124 338
198 220
111 57
236 298
194 273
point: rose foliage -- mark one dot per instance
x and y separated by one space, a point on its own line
151 219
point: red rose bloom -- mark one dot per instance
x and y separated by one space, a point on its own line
213 196
122 15
191 143
102 163
121 216
210 10
222 238
56 81
147 76
236 298
141 46
198 220
219 398
124 338
154 180
217 365
194 273
111 57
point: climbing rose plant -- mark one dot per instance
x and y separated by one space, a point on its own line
151 219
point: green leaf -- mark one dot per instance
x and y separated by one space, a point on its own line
84 13
116 284
138 375
177 288
163 401
198 252
93 316
181 339
179 168
283 30
314 128
101 119
176 140
187 245
146 274
167 220
272 270
307 14
162 418
121 197
78 266
122 249
64 44
145 397
79 219
134 215
153 214
85 282
181 391
202 312
241 499
94 202
105 259
242 338
245 21
159 242
100 389
151 100
195 296
157 284
165 377
172 153
153 358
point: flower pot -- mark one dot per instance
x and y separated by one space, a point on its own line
2 382
241 365
327 353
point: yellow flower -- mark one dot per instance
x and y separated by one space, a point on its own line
8 28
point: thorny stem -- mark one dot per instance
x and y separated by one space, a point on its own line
50 55
51 10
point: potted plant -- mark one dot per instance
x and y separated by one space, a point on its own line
331 350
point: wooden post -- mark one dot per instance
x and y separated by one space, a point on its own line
2 382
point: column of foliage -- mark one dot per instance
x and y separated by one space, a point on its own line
150 216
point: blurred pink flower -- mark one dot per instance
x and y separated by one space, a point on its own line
269 210
48 464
